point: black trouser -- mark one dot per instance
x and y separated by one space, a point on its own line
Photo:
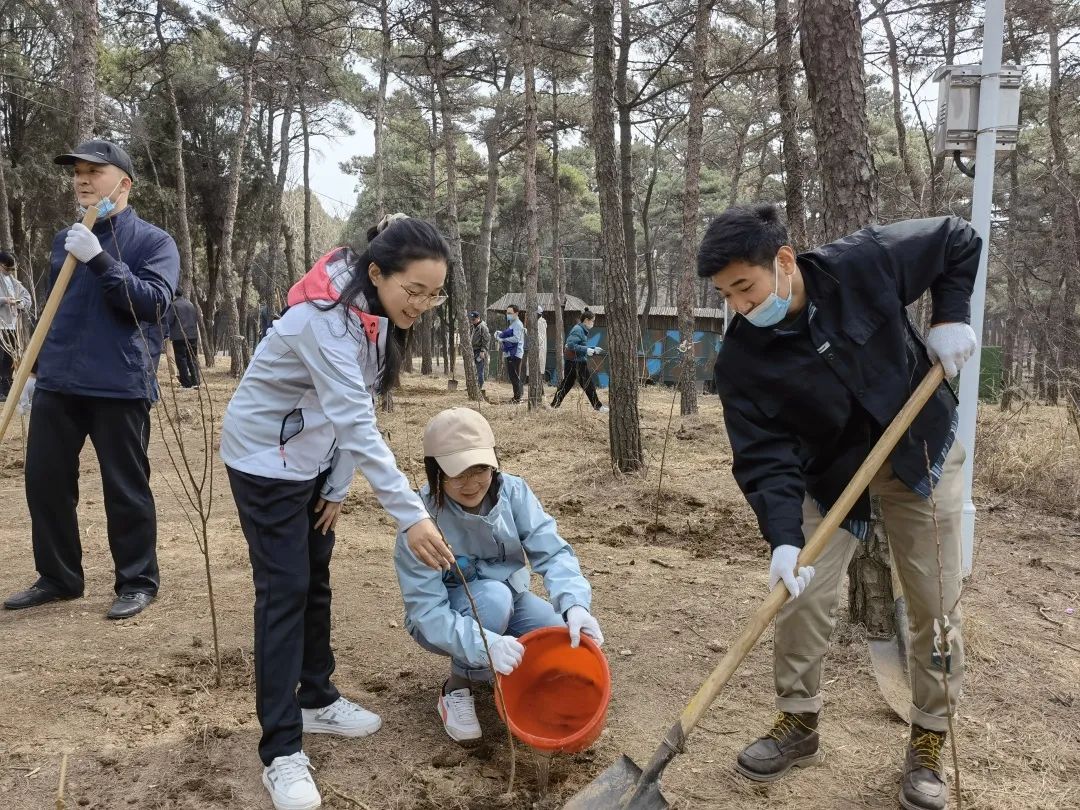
513 370
7 362
187 362
120 432
577 372
290 563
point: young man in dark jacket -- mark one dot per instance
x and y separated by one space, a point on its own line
184 334
481 339
819 359
96 378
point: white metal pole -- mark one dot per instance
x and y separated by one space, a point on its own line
981 202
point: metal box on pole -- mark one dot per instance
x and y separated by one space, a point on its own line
959 87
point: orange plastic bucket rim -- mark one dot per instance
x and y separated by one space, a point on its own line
590 730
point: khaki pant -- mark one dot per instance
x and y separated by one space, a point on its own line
804 626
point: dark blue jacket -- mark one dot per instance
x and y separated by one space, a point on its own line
106 338
577 342
804 402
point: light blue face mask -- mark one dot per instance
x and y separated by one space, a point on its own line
774 308
510 317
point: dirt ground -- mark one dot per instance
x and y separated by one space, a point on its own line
135 705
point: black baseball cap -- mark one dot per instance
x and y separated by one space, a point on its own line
99 152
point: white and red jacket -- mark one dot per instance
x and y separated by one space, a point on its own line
305 402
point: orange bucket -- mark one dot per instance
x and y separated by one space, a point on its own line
558 696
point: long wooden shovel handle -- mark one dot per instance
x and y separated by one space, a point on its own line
33 348
761 619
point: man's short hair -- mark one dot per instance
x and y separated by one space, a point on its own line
752 234
6 259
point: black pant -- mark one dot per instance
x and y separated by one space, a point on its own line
577 372
290 563
187 362
513 370
7 363
120 432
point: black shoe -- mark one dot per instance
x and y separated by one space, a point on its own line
129 604
34 596
792 742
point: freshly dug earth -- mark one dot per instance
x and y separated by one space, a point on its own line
136 707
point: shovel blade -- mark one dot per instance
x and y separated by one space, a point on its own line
619 787
889 659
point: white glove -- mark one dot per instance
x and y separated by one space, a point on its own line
590 352
951 344
579 621
782 567
81 243
506 653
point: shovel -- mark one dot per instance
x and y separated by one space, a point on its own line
624 785
889 656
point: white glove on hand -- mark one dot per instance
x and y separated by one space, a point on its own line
81 243
506 653
951 344
782 567
590 352
579 621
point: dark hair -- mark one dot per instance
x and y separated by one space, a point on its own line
751 234
435 480
515 307
587 315
6 259
401 241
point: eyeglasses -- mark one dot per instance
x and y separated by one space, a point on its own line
473 475
423 299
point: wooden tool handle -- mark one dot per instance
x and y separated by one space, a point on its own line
33 348
716 681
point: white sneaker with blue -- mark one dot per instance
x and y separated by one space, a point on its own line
343 718
290 784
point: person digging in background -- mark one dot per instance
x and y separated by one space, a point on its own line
577 352
481 339
184 334
498 530
300 423
512 341
96 377
15 300
819 359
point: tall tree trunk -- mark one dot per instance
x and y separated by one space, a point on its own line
624 425
794 168
1011 375
385 45
532 227
492 130
5 210
626 149
458 289
308 258
273 237
898 110
556 241
832 54
691 203
232 200
84 67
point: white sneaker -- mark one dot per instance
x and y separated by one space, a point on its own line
458 713
602 409
290 784
343 718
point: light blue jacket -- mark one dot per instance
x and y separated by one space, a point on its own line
515 535
578 341
513 339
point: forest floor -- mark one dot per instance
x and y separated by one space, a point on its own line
135 706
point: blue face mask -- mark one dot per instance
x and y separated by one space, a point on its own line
774 308
509 317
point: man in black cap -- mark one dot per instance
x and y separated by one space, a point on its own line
96 378
481 338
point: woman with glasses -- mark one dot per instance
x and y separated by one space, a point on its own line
300 423
498 531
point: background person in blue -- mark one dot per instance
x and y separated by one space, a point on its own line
819 360
512 341
96 377
498 530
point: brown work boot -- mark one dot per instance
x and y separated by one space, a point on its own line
791 742
923 786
